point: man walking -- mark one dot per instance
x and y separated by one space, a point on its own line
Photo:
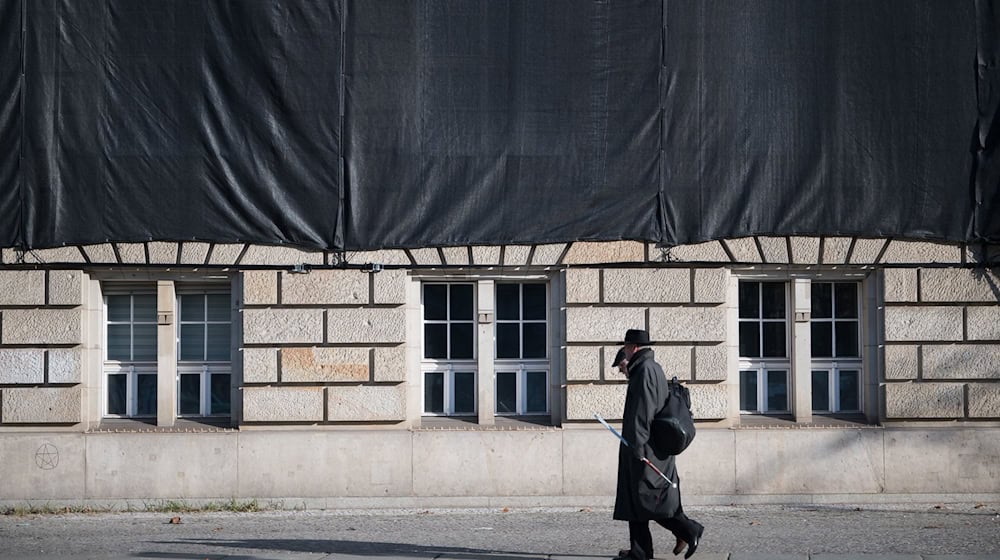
642 494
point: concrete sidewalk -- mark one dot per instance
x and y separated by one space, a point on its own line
915 532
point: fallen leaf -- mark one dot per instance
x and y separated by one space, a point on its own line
505 510
175 520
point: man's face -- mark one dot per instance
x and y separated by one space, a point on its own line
630 350
623 367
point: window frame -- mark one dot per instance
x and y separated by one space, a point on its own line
448 366
206 369
521 366
132 369
762 365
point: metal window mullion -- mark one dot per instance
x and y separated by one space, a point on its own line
520 389
204 334
206 381
448 390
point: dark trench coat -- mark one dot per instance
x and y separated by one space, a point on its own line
642 494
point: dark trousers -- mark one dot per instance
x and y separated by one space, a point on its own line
641 540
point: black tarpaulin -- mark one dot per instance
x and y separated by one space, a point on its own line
345 124
178 120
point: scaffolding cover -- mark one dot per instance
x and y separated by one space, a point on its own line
351 124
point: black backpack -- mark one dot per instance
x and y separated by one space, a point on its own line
673 427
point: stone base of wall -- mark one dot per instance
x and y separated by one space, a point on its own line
524 468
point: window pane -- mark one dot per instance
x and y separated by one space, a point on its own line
193 307
220 394
508 301
777 391
847 339
119 308
774 340
434 392
146 395
849 391
119 343
192 342
820 391
847 300
435 302
749 300
534 301
461 302
190 394
436 340
536 391
748 391
822 300
461 341
465 392
773 298
144 343
144 308
117 384
506 392
749 339
534 340
821 334
218 307
508 340
218 343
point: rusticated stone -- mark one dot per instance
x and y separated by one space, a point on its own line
923 323
132 253
389 364
959 284
597 324
283 404
914 252
163 252
583 363
366 326
389 286
366 403
65 287
22 366
983 322
923 400
228 253
866 251
324 364
583 285
56 255
774 249
193 252
710 285
65 365
601 252
486 255
743 249
426 256
102 253
260 365
268 255
324 287
709 251
647 285
961 361
709 402
583 401
805 250
41 405
22 287
384 257
690 324
283 326
900 284
546 255
41 326
677 361
984 400
711 363
456 255
901 361
835 250
516 255
260 287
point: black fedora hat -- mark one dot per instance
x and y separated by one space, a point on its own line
637 336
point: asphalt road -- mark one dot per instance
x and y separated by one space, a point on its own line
731 532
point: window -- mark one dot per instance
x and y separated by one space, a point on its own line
130 354
835 329
449 341
764 347
203 354
521 348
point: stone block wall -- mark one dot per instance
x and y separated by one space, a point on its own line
942 335
40 346
325 346
685 313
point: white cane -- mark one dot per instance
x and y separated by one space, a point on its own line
643 459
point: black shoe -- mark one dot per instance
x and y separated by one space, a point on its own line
693 543
626 554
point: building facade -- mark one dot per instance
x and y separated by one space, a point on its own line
821 369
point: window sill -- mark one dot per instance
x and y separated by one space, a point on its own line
763 422
182 425
501 423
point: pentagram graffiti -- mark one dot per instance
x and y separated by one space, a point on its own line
47 457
